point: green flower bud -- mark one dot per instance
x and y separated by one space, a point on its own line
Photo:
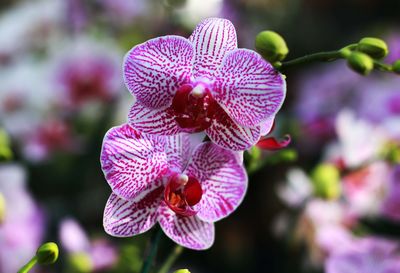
2 208
80 263
47 253
326 180
182 271
271 46
360 62
374 47
396 67
391 152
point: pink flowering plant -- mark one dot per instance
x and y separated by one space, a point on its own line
183 187
204 83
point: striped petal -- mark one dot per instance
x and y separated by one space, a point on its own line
212 39
189 232
132 161
249 88
179 149
124 218
223 180
153 121
229 135
267 126
154 70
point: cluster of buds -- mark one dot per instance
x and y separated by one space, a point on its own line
362 57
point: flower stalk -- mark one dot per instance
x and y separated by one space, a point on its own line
154 243
171 259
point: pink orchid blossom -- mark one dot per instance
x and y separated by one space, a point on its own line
204 83
170 180
101 253
367 255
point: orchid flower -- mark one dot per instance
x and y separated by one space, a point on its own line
204 83
170 180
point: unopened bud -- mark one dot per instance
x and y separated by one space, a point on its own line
182 271
374 47
80 263
326 180
396 67
360 62
47 253
271 46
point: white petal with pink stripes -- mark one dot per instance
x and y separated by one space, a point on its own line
124 218
131 161
190 232
229 135
154 70
249 88
223 180
212 39
153 121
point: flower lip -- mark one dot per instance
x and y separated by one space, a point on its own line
194 107
181 193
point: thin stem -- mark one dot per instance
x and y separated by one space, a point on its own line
154 242
316 57
383 67
327 56
29 265
171 259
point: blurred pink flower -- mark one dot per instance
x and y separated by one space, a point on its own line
161 179
364 190
74 240
204 83
87 71
367 255
22 231
49 137
391 204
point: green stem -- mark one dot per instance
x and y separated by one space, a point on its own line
154 242
382 67
171 259
327 56
316 57
29 265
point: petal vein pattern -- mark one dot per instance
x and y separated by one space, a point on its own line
249 88
132 161
189 232
124 218
229 135
153 121
213 38
223 180
154 70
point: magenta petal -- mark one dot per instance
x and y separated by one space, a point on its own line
249 88
132 161
154 70
223 180
179 149
124 218
212 39
189 232
267 126
229 135
153 121
273 144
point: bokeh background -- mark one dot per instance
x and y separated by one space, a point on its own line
337 184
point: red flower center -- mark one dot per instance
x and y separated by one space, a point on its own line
181 193
194 107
